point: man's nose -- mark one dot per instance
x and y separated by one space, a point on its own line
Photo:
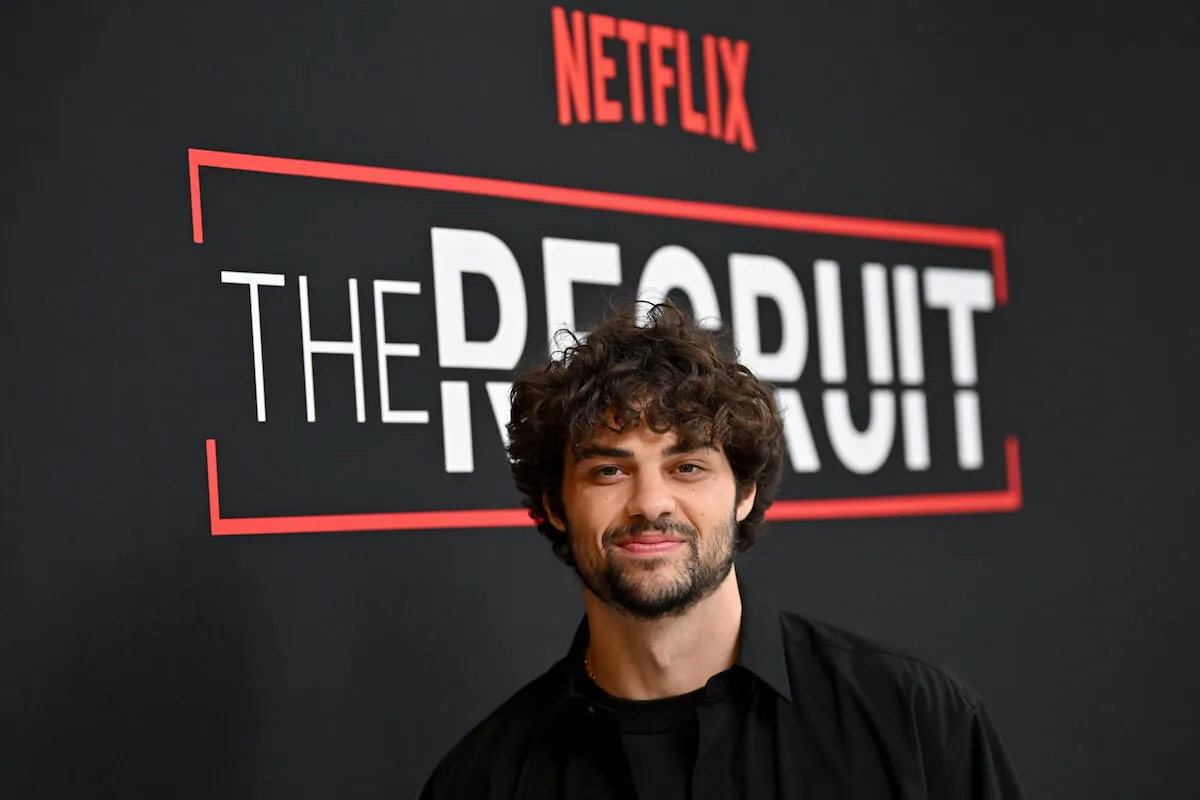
651 497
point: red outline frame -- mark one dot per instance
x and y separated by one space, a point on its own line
1002 500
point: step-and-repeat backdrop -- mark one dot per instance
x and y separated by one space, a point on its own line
272 269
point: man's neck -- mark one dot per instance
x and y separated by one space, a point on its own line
647 660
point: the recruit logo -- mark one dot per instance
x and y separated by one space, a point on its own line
873 346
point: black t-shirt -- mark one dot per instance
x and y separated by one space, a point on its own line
659 738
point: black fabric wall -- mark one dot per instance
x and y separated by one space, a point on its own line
144 656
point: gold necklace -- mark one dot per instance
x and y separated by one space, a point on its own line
587 666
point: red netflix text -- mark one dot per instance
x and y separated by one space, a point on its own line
582 72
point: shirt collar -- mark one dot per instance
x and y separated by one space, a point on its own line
761 648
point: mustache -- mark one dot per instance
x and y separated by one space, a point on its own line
668 525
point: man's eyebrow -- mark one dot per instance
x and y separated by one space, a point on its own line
596 451
593 451
679 448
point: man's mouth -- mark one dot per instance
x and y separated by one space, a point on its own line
650 543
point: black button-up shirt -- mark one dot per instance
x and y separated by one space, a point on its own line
808 711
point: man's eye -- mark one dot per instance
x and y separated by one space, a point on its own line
608 472
690 469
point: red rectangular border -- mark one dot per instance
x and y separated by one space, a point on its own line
1007 499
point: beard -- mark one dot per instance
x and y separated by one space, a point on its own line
654 588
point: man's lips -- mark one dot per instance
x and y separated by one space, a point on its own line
649 543
650 538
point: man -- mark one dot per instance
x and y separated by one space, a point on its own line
648 458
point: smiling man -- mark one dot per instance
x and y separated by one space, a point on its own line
648 457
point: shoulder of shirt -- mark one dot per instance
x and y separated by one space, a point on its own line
875 668
923 710
497 742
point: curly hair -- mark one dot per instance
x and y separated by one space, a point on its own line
663 371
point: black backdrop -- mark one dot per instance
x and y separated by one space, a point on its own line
143 656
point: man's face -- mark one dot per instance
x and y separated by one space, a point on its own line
652 526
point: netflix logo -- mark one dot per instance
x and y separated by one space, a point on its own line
583 69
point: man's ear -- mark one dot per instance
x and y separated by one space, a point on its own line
550 515
747 502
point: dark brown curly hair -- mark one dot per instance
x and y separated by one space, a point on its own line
663 371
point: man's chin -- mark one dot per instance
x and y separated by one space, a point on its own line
652 595
656 607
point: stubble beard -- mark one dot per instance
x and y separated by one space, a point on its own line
649 589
